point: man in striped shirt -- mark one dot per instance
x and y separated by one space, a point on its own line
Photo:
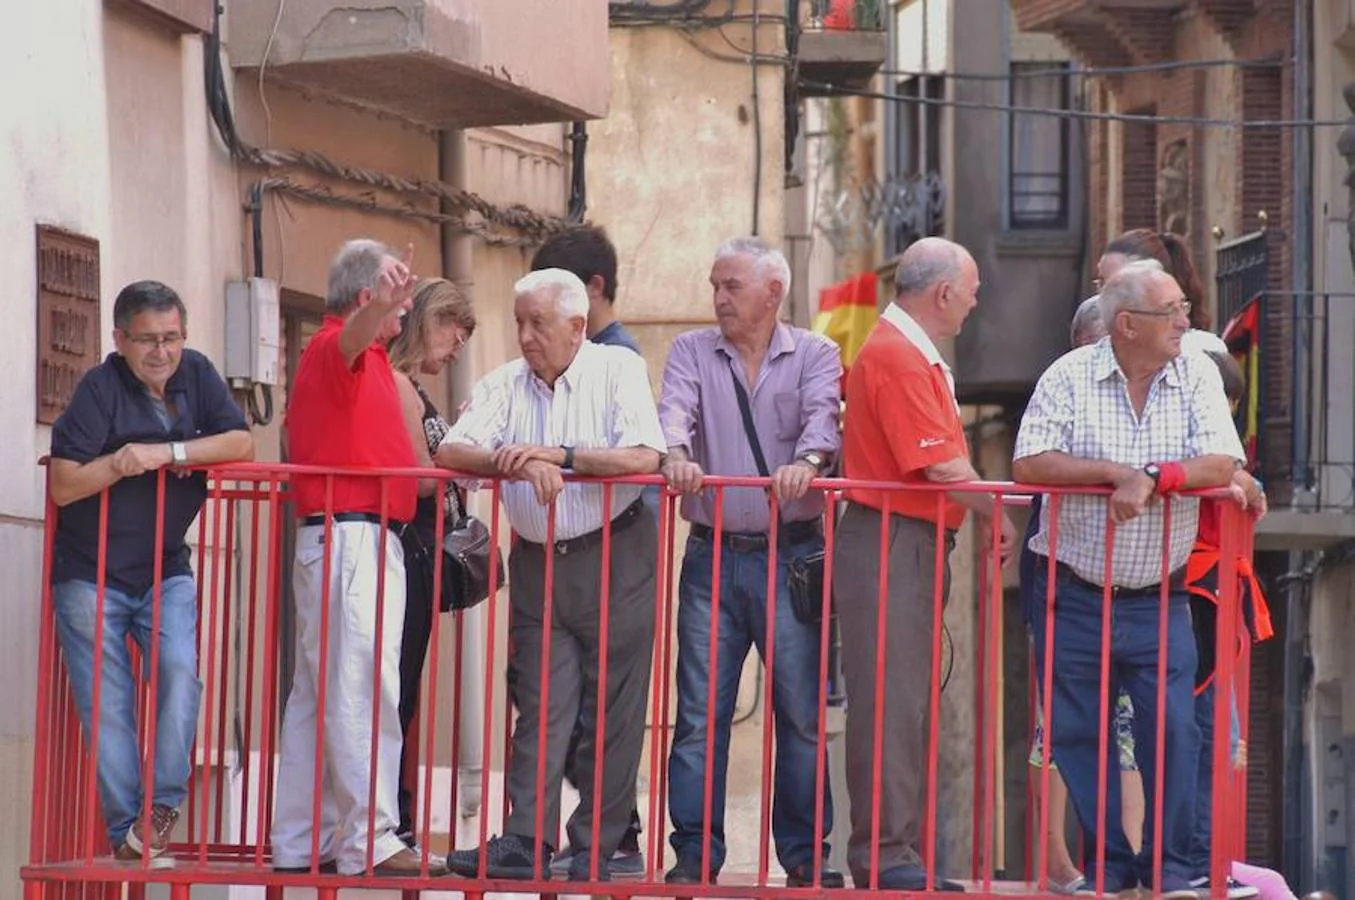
568 405
1135 413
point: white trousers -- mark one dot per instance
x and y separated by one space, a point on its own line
348 713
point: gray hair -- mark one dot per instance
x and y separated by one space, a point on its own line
569 293
355 269
1087 326
1128 287
926 262
769 262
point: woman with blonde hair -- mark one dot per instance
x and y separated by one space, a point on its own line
438 326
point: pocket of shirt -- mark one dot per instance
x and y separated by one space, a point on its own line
787 416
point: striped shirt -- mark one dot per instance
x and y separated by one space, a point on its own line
1081 407
601 401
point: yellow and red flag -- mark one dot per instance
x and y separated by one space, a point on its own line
847 313
1242 334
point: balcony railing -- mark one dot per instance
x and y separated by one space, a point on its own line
225 834
1320 468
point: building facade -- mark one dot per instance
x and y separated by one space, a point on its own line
115 170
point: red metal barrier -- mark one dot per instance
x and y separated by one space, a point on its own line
241 569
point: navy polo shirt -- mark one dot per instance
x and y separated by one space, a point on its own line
617 335
112 408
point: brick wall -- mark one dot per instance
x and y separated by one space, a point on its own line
1138 176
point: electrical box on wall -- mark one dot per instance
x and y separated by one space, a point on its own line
252 332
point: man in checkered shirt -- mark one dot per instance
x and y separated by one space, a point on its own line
1133 413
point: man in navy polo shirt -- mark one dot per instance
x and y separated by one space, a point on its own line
150 405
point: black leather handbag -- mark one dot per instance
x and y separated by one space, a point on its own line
467 554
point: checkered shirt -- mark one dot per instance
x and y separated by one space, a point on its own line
1081 407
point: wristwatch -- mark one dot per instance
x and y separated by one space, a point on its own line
1153 471
814 459
179 452
569 457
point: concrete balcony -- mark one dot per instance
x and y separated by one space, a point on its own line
842 44
443 63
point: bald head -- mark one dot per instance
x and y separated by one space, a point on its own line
937 284
1087 326
928 262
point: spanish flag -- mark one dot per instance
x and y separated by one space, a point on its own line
1242 334
847 313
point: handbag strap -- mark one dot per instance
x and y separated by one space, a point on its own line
749 429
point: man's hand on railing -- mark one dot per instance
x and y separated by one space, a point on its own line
1132 496
791 482
1007 542
682 475
511 461
1246 490
135 459
545 478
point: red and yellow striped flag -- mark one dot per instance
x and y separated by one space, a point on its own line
847 313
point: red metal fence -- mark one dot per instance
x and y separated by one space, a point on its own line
223 836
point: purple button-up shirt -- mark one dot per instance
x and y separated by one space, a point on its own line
795 403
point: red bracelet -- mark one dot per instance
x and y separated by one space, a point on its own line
1171 477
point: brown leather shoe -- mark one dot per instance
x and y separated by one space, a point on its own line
405 864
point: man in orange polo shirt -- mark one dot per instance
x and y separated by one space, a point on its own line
902 425
344 410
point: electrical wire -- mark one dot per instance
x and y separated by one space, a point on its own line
826 89
1100 72
757 129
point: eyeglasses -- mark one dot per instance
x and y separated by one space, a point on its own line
1179 308
156 341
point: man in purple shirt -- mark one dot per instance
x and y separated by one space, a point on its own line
789 380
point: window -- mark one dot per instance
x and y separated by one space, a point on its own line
915 170
1038 151
919 126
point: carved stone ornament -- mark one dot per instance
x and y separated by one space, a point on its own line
1173 188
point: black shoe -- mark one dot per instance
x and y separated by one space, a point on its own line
688 871
803 876
908 877
508 856
580 864
326 868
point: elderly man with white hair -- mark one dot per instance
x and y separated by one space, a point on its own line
568 405
753 396
1134 413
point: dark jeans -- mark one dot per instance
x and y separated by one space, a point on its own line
418 628
795 701
1076 720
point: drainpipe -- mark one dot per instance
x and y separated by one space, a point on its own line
458 257
1300 842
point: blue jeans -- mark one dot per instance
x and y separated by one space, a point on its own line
1076 720
119 757
1204 795
795 701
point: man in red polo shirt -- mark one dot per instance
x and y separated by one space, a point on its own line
902 425
344 410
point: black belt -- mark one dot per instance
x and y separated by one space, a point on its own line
319 519
1176 582
623 520
746 542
